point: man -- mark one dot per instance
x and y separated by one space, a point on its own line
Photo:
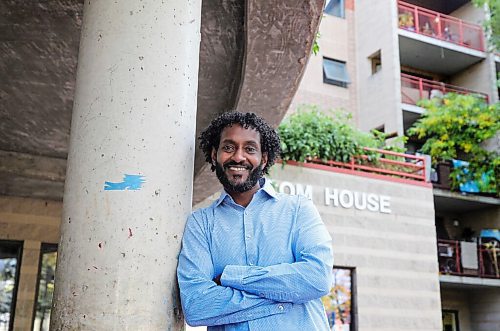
254 259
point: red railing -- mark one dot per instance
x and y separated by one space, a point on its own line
414 89
378 163
450 255
433 24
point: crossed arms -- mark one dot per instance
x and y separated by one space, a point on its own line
251 292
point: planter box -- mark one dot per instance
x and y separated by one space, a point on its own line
443 170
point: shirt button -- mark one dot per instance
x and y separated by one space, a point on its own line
280 307
248 236
250 263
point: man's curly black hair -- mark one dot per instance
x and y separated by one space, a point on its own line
269 138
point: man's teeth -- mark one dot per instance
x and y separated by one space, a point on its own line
233 168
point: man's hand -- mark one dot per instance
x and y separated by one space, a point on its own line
217 280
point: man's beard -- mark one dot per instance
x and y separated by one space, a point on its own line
248 184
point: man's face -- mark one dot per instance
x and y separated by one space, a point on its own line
239 159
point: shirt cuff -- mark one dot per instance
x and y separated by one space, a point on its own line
233 276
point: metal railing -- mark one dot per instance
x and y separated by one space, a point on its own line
379 163
450 260
436 25
414 89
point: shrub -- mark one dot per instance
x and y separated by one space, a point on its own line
311 133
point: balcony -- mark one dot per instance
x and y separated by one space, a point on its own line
436 42
466 259
379 164
443 27
414 89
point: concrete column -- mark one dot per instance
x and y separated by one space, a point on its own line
129 178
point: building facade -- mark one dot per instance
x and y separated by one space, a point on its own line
386 55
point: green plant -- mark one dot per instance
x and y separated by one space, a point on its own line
315 48
455 127
311 133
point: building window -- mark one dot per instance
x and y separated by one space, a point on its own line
339 304
335 8
10 262
376 61
335 72
450 320
45 287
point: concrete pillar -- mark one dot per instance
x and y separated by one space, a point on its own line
129 178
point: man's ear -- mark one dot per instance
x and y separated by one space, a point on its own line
214 156
264 159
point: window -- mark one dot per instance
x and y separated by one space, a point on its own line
376 61
339 304
450 320
45 287
335 72
335 8
10 262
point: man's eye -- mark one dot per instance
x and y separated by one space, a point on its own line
251 149
227 148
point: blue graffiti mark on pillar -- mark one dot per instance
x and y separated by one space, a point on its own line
130 182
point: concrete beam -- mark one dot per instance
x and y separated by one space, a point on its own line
32 166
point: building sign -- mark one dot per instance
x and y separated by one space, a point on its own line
342 197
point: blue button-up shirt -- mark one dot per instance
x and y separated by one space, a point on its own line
275 258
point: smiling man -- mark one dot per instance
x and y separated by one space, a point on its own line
255 259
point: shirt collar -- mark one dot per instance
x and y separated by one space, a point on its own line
265 185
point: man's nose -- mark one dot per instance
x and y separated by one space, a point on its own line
238 156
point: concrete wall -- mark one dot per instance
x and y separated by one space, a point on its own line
34 222
452 299
380 93
478 308
488 218
480 77
469 13
485 309
394 253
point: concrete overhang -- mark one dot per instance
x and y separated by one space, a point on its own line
435 55
461 282
252 57
454 202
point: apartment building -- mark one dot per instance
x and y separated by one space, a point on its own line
376 60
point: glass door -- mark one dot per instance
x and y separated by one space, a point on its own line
10 262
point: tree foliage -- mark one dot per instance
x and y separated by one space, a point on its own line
456 127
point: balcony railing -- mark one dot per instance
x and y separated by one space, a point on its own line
450 257
414 89
436 25
377 163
